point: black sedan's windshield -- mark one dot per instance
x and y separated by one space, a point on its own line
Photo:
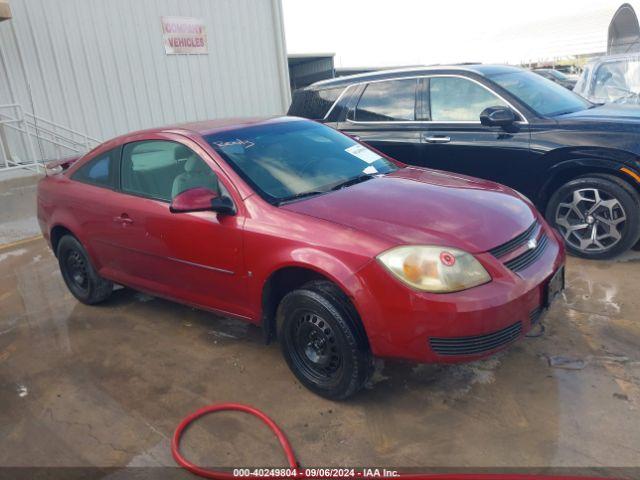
540 94
293 159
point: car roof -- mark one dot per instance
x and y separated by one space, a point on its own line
193 129
478 69
207 127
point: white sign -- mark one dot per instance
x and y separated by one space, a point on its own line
363 153
184 35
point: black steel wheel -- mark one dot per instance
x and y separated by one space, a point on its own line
322 340
79 274
598 216
315 349
76 268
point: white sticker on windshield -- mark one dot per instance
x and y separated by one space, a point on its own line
370 170
363 153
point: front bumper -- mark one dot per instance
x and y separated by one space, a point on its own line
455 327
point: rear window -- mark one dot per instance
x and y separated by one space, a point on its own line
313 104
389 101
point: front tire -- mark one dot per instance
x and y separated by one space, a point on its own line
322 341
79 274
598 215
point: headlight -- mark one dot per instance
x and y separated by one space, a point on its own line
434 269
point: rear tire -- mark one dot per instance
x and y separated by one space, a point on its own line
322 341
598 215
79 274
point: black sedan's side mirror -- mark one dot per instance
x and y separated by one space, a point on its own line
497 117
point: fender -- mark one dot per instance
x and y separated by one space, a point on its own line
585 159
597 154
331 267
65 220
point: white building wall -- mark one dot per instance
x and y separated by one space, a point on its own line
99 66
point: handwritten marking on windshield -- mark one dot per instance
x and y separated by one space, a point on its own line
237 141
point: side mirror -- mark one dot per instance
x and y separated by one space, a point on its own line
497 117
201 199
223 205
197 199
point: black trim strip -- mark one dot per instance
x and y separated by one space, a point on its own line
514 243
530 256
476 344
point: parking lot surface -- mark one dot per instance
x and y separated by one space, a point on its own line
107 385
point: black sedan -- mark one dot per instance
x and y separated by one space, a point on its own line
577 161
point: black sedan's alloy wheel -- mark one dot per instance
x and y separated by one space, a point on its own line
321 341
596 215
81 278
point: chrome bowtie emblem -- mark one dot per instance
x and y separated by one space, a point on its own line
533 243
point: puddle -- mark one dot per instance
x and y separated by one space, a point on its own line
12 253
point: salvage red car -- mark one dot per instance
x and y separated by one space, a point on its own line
340 252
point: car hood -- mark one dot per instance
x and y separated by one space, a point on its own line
428 207
611 112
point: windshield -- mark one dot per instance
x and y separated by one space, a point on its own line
540 94
617 81
557 74
291 159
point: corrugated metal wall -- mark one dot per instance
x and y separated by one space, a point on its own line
99 66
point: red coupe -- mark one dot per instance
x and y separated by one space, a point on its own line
340 252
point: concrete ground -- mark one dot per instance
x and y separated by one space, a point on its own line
107 385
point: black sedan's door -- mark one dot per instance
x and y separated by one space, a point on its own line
453 138
382 114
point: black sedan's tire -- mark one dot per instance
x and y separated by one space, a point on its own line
598 215
79 274
322 341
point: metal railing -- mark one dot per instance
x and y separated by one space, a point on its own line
61 140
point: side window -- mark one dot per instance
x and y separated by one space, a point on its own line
390 101
99 171
313 104
459 100
161 170
582 86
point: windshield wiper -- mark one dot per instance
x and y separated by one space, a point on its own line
352 181
298 196
346 183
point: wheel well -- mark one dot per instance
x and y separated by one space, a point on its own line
57 233
579 171
277 286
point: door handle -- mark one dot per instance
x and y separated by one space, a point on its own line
124 219
437 139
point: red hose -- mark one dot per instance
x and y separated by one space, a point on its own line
238 407
293 463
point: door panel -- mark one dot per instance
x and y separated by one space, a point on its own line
454 139
397 141
192 257
473 149
195 257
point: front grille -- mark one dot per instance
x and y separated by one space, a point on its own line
534 315
475 344
514 243
527 258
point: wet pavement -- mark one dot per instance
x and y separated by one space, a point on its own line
106 385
